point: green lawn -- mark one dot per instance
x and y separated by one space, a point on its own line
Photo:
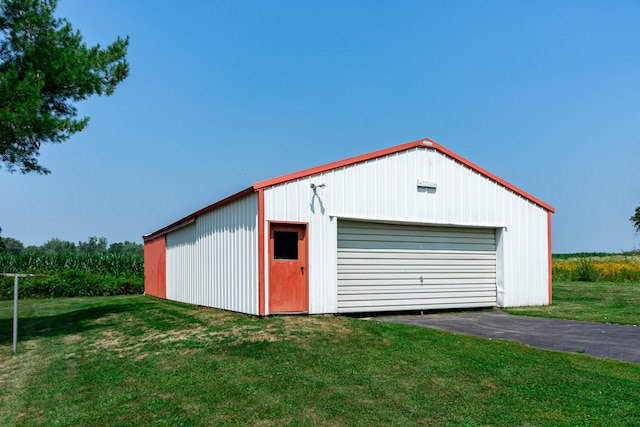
592 302
135 360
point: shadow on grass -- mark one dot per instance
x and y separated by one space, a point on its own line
71 322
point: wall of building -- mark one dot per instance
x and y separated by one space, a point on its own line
385 189
214 260
155 267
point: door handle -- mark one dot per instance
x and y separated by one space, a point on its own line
302 268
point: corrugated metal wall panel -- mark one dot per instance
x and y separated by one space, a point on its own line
214 261
384 267
155 267
385 189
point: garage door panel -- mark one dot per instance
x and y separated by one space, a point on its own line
482 246
416 272
424 291
410 277
465 239
412 255
415 262
415 297
408 307
417 275
363 228
385 267
408 304
385 288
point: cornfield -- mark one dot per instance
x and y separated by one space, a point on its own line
73 275
96 263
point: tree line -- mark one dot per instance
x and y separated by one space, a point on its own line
87 268
55 246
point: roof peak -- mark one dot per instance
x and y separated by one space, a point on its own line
426 143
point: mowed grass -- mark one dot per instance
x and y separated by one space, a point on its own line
135 360
591 301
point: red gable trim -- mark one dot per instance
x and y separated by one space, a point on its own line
339 164
493 177
425 143
192 217
420 143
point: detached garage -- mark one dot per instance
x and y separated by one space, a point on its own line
411 227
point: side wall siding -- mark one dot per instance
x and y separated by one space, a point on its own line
385 189
214 261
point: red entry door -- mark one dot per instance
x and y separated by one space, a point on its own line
288 284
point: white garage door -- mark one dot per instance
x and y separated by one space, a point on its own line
388 267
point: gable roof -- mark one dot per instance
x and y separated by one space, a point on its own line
424 143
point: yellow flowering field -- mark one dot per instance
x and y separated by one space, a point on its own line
603 269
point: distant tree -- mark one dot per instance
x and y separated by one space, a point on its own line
635 219
93 245
13 246
127 248
56 246
132 249
32 250
3 248
45 68
116 248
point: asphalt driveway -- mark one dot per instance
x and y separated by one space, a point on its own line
594 339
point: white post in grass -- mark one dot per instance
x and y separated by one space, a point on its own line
15 303
15 314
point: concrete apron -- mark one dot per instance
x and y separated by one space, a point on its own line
602 340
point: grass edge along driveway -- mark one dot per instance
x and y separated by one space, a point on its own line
603 302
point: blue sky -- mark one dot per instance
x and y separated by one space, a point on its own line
544 94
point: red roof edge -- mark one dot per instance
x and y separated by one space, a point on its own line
192 217
493 177
340 164
419 143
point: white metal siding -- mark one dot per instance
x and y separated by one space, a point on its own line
385 189
384 267
214 262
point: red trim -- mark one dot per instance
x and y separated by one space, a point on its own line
550 257
175 227
420 143
192 217
261 243
155 267
339 164
492 177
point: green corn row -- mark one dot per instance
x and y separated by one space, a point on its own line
73 275
94 263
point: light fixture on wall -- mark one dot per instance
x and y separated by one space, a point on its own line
427 184
313 186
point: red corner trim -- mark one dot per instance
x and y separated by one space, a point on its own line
550 257
261 243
